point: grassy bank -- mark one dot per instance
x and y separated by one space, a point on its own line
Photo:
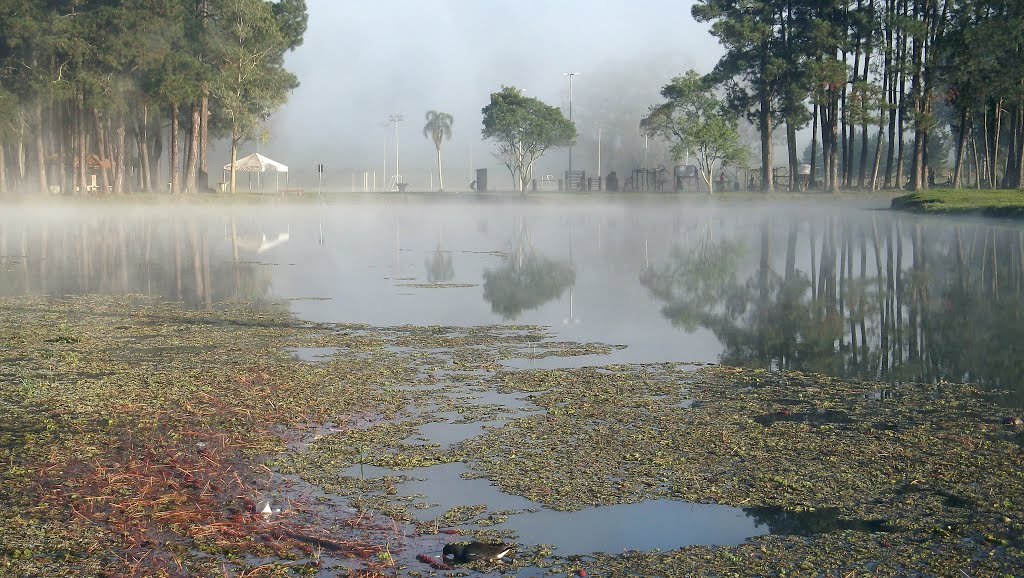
1001 203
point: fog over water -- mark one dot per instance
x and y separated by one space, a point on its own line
840 289
363 61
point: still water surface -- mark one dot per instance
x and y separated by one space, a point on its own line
845 289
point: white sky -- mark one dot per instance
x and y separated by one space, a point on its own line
362 61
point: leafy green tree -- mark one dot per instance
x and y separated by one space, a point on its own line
753 67
252 82
524 128
694 120
91 79
438 129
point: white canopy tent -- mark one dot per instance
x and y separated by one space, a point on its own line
257 163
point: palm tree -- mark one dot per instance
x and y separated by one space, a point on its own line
438 128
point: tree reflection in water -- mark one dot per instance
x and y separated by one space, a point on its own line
526 280
439 266
811 522
180 259
873 300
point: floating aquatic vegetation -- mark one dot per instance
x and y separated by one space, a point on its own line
438 285
207 410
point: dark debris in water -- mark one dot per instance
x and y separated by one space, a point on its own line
811 417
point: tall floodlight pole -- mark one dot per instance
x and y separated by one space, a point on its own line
570 75
395 119
599 157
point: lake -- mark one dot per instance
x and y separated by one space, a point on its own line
842 288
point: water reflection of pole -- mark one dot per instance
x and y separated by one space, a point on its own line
24 258
234 239
521 234
571 260
207 280
571 319
197 263
44 260
177 260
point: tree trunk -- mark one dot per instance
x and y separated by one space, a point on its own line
985 165
64 135
82 143
1019 177
794 160
3 171
1010 172
833 161
977 160
868 49
40 149
825 111
204 121
101 147
765 123
961 143
877 161
234 154
156 151
192 160
996 129
902 107
20 151
119 174
814 148
143 137
175 165
846 148
440 174
917 100
765 126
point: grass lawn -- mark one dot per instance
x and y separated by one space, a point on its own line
998 203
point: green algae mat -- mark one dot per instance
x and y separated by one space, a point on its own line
138 437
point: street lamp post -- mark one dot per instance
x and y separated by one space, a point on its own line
570 75
395 119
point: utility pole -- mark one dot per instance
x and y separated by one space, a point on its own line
570 75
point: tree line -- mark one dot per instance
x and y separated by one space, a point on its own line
88 87
878 81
